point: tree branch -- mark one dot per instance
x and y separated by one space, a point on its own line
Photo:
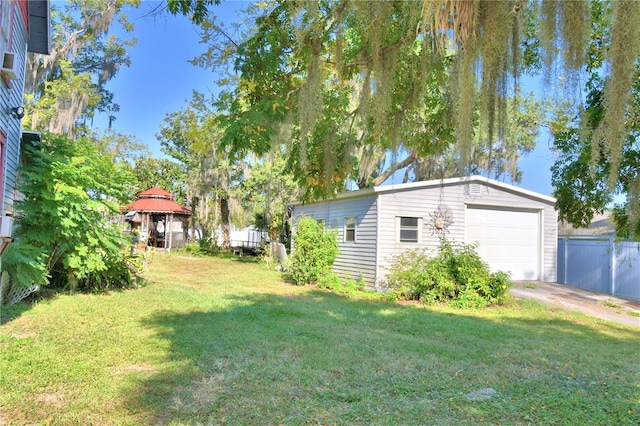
395 167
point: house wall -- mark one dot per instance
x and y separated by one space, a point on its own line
358 258
378 212
12 96
423 202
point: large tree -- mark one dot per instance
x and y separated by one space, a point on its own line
353 77
192 136
265 192
67 87
586 175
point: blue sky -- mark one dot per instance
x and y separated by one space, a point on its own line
160 80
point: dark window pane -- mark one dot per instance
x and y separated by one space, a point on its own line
409 222
409 235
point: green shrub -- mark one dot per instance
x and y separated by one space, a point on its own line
63 237
329 281
333 282
314 252
456 276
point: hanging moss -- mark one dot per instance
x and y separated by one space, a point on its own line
622 56
574 32
381 56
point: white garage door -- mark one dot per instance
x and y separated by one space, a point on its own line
508 240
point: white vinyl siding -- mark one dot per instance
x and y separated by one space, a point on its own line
418 203
422 202
378 211
12 96
357 258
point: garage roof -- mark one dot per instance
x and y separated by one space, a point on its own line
440 182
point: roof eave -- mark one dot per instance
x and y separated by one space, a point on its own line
432 183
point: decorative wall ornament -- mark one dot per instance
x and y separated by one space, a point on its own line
441 219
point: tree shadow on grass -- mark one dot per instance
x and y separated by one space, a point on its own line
11 312
325 358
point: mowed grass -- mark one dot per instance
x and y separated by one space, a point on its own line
224 341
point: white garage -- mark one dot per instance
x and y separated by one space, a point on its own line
507 239
515 229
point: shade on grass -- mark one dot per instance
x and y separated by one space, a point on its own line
224 341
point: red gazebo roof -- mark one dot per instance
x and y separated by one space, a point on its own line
156 192
157 200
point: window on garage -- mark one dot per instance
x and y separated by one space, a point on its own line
409 229
350 229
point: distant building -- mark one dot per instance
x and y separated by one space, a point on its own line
158 219
602 224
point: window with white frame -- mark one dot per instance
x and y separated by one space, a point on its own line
409 229
350 229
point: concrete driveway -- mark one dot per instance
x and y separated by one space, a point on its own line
572 298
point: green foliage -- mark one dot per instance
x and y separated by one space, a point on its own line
62 234
314 251
191 137
208 245
351 87
196 9
456 276
265 192
333 282
590 168
66 89
162 172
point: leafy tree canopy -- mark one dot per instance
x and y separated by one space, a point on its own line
350 80
586 174
67 87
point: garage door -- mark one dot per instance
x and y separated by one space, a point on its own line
508 239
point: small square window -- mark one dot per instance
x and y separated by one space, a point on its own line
409 229
350 229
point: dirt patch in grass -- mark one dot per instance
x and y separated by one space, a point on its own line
139 368
55 399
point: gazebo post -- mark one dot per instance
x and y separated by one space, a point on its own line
166 223
148 215
170 231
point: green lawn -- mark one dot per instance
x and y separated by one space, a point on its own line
223 341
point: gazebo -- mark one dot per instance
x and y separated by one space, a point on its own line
159 219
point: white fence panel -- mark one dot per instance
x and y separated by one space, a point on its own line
601 265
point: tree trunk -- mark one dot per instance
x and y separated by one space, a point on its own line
224 218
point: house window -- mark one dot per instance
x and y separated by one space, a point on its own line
409 229
350 229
